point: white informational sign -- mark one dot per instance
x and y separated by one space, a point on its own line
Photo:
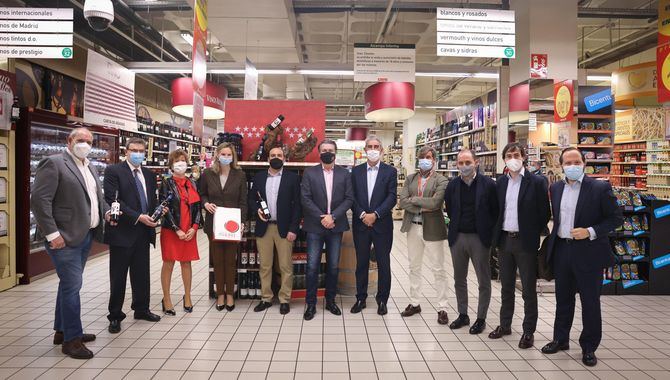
384 62
486 33
36 33
476 51
109 94
532 122
228 224
250 81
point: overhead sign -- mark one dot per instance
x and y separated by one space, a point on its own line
488 33
563 101
539 67
36 33
199 72
663 51
250 81
384 62
595 99
109 94
634 82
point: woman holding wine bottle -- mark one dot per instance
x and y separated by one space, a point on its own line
180 227
223 185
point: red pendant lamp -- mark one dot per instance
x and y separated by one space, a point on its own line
389 101
182 99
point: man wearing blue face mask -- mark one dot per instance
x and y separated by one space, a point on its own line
585 212
135 189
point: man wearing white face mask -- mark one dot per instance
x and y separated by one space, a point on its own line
585 212
68 205
375 187
422 198
524 212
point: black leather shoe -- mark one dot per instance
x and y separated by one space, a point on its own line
527 341
220 307
262 306
499 332
167 311
284 308
333 308
230 307
462 320
114 326
442 317
59 337
554 346
76 349
310 312
148 316
188 309
478 327
589 359
358 307
411 310
382 309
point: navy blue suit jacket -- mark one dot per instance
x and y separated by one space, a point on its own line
288 202
597 208
486 208
314 199
384 196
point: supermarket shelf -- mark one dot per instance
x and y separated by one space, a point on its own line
487 153
658 175
163 137
630 163
657 150
599 175
598 161
594 132
631 188
629 142
448 154
594 116
451 136
628 176
658 186
630 151
595 146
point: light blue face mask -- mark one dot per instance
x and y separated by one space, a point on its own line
136 158
225 161
425 164
573 172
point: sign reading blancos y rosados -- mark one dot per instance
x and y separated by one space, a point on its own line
36 33
384 62
465 32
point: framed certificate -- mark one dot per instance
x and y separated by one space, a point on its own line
228 224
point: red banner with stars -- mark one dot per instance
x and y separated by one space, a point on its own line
303 126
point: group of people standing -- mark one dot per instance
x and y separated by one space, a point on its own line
509 215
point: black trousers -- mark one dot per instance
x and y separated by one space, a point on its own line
570 279
363 240
121 260
510 257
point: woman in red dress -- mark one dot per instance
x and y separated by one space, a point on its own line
179 228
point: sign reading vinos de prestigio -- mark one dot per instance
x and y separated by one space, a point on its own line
36 32
488 33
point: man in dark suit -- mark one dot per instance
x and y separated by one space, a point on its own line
326 197
524 212
68 205
129 241
280 189
585 212
375 188
472 205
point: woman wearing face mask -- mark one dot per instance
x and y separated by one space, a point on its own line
223 185
180 226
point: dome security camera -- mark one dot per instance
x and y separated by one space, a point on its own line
99 14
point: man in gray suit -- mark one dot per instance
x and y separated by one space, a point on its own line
68 205
326 197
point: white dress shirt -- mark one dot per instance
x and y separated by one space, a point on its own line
511 220
272 192
568 209
372 172
328 177
91 190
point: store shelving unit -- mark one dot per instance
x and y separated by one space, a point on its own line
393 156
595 134
7 210
630 167
658 168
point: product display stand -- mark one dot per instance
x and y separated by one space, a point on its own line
7 211
595 135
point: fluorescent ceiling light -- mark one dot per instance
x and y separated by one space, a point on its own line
227 71
276 72
188 37
459 75
599 78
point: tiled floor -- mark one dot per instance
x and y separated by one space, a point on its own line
248 345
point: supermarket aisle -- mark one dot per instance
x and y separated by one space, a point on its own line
248 345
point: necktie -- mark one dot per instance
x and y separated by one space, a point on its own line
140 189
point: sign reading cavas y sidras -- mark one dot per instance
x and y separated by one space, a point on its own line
487 33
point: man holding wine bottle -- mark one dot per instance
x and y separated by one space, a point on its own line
134 188
275 199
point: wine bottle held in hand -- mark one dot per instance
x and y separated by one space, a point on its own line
115 210
158 212
263 206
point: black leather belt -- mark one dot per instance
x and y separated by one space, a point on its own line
419 223
272 222
513 235
566 241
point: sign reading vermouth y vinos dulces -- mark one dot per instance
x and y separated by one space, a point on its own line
384 62
36 33
488 33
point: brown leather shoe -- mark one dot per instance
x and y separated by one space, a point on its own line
499 332
411 310
527 341
76 349
442 317
59 337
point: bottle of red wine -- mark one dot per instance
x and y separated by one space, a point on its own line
252 258
16 111
263 206
275 123
244 256
158 212
115 209
244 287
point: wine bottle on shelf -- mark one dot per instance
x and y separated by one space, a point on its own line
16 111
158 212
248 285
263 205
115 209
275 123
258 255
244 287
244 257
259 293
252 256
